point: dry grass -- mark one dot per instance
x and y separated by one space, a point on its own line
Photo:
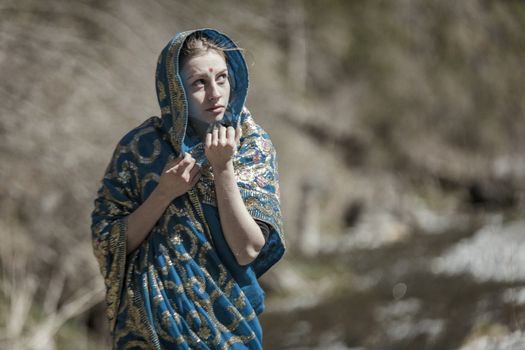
423 92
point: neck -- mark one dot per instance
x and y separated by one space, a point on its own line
200 127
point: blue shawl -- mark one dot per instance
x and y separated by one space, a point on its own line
182 288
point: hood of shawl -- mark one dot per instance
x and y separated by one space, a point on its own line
171 95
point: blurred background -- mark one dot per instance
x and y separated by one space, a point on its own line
399 127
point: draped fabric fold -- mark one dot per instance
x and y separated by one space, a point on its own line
182 287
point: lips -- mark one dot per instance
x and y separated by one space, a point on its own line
216 109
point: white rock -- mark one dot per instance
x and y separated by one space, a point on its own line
513 341
494 253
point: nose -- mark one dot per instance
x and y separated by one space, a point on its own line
214 92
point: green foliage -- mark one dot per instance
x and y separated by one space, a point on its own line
453 65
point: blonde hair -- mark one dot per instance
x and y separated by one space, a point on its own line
197 44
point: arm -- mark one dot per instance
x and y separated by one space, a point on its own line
241 232
178 177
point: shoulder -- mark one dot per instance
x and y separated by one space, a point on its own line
135 151
150 128
250 128
140 139
254 134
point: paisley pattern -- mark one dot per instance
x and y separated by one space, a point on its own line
182 288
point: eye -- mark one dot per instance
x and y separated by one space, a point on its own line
221 78
199 83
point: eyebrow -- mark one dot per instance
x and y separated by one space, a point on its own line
203 74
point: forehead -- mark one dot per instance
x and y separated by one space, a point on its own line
203 63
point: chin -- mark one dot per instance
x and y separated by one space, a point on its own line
210 119
217 118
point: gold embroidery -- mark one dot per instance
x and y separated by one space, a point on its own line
176 91
161 90
185 247
166 110
240 303
204 332
135 146
197 205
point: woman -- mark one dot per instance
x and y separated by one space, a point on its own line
188 216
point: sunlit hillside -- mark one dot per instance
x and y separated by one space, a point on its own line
399 130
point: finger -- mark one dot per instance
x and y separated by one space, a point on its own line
222 135
186 160
189 162
215 137
207 142
195 179
230 134
171 166
172 169
196 169
180 158
186 172
194 172
175 168
181 164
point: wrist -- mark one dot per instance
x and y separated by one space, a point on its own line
226 167
162 197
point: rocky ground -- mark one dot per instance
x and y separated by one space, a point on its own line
450 290
399 130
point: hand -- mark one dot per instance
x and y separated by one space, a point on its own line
220 145
179 176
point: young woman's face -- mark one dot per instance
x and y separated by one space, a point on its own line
205 80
